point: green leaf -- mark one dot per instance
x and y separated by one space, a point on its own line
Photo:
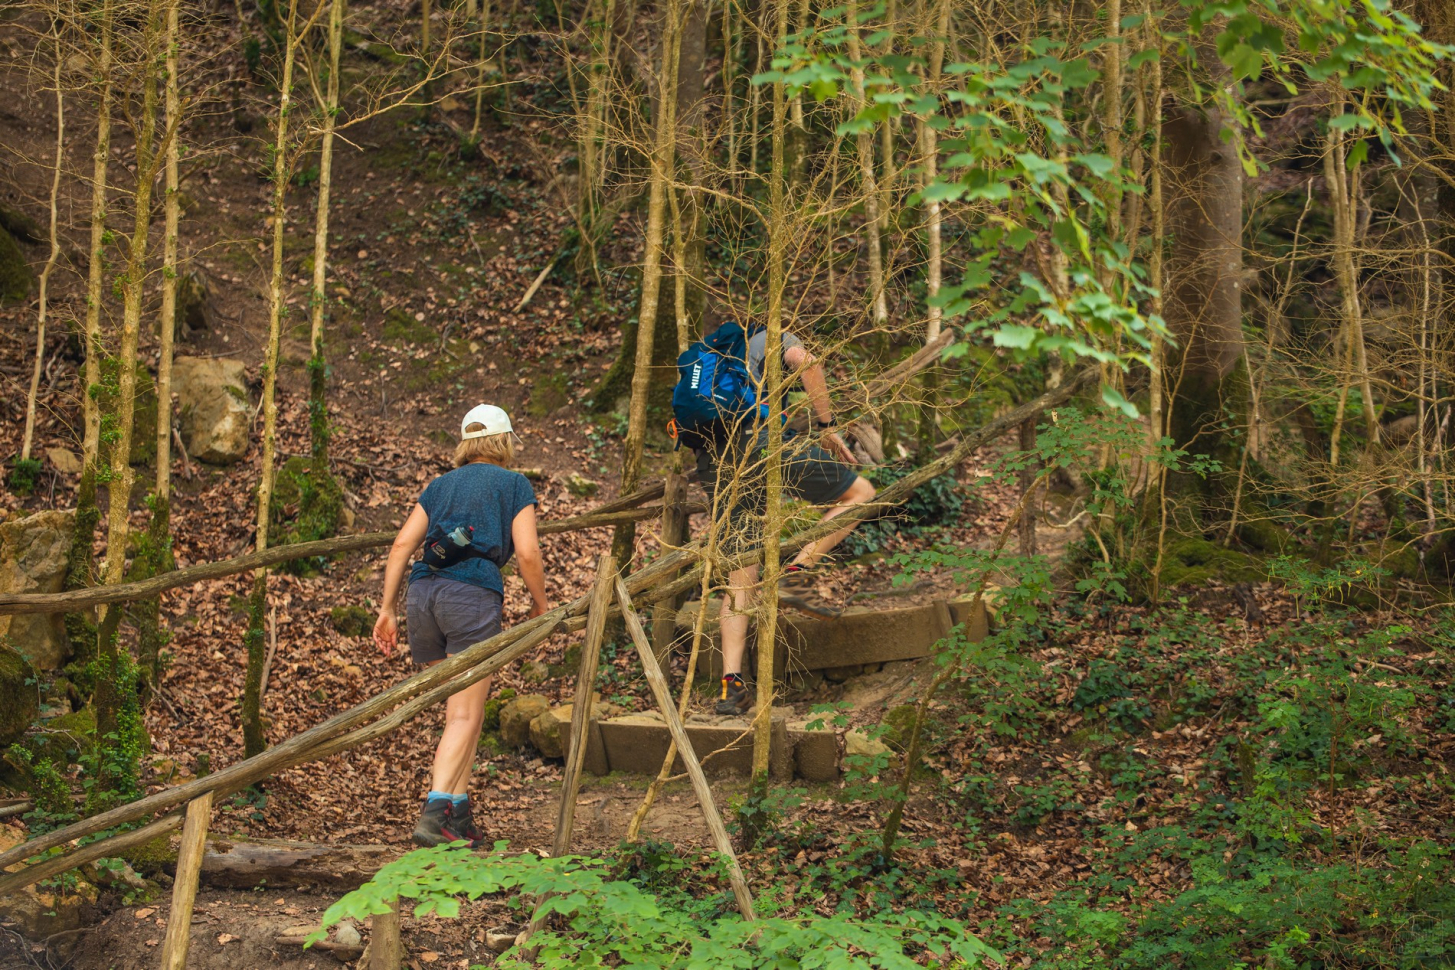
1016 336
1113 398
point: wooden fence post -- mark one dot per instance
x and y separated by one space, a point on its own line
663 695
386 946
601 595
184 887
674 534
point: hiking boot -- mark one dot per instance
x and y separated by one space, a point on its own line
735 698
462 820
798 589
438 826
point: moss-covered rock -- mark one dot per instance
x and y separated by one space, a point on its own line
14 270
899 724
351 621
1192 561
19 696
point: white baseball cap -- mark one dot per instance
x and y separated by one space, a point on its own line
495 420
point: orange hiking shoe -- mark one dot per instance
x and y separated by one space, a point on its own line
735 698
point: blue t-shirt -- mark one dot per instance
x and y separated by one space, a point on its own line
487 498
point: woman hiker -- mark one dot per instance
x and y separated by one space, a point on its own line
470 521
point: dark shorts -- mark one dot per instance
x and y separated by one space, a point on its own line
809 473
445 616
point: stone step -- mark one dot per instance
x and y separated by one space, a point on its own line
637 744
857 638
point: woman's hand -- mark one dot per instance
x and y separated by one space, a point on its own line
386 632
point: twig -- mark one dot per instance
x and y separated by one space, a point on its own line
272 649
536 285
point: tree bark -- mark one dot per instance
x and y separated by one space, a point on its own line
1203 179
109 686
158 545
50 263
869 187
254 735
773 387
623 543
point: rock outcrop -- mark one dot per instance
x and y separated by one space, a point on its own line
215 415
33 553
19 698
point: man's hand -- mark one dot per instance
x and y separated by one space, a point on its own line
537 609
835 446
386 632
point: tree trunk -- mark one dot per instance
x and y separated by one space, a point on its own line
254 736
1203 178
773 386
158 545
80 571
624 541
50 263
317 367
934 268
869 187
110 685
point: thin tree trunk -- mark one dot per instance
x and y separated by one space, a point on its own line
254 737
1344 191
317 368
664 139
934 270
864 143
87 515
773 385
50 263
158 547
108 697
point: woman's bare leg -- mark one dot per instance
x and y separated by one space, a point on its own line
454 758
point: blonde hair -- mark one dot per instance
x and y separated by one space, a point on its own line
497 449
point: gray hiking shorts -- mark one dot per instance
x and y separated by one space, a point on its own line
445 616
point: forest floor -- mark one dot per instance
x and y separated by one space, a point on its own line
1088 765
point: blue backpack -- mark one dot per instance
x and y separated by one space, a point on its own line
714 387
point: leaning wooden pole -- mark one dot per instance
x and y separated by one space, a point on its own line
663 696
601 595
184 887
83 599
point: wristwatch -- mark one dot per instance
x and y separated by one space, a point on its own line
824 425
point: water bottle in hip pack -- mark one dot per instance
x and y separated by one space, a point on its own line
714 387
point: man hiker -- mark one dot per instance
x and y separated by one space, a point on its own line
817 468
470 522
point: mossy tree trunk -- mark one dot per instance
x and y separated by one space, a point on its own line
115 678
157 548
79 572
662 153
254 735
773 386
1203 180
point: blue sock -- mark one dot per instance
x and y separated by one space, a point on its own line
459 799
437 795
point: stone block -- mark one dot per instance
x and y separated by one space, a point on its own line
858 637
637 744
975 616
815 754
34 553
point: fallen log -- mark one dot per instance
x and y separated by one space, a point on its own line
280 863
378 715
